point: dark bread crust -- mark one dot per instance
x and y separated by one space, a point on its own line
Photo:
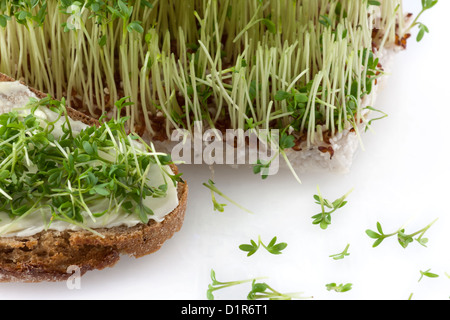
47 255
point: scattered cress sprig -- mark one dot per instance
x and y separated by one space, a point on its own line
323 219
342 255
423 29
403 239
273 247
220 206
341 288
259 290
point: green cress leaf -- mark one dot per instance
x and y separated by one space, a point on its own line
341 255
88 148
282 95
301 98
135 26
260 166
427 274
250 248
325 20
287 141
270 25
374 3
422 30
3 20
339 288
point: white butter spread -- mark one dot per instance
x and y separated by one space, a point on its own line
15 95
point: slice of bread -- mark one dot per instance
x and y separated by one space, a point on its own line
47 256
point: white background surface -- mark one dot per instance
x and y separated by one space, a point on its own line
402 178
